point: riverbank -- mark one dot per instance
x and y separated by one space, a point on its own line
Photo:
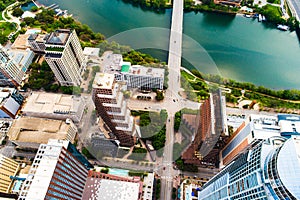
197 85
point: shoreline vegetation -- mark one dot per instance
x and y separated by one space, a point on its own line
272 13
280 100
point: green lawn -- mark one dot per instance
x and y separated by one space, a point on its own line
6 28
274 9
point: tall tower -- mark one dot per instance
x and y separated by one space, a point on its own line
270 169
210 134
58 171
112 108
65 57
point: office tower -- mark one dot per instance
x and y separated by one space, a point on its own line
8 167
13 66
65 57
112 108
269 169
259 126
210 134
58 171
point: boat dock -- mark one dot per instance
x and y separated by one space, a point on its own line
52 6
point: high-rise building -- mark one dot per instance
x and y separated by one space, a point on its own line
112 108
259 127
65 57
8 167
269 169
58 171
13 66
210 134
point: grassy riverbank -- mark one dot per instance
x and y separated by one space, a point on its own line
287 101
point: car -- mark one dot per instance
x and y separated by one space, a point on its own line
174 100
164 168
169 120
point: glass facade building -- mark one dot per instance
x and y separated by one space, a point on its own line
269 169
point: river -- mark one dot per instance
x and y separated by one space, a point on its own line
238 48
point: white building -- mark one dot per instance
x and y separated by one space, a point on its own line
10 102
13 65
136 76
148 187
54 106
56 172
65 57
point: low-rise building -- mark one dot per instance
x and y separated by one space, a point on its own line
104 146
100 186
4 128
31 130
135 76
148 187
91 52
54 106
235 3
37 42
10 102
21 42
8 167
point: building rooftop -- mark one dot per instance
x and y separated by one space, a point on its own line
145 71
21 42
112 63
288 165
33 31
58 37
38 37
28 14
38 130
90 51
103 81
43 102
112 189
21 57
125 67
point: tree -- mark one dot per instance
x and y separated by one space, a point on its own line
159 95
17 12
34 9
3 39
